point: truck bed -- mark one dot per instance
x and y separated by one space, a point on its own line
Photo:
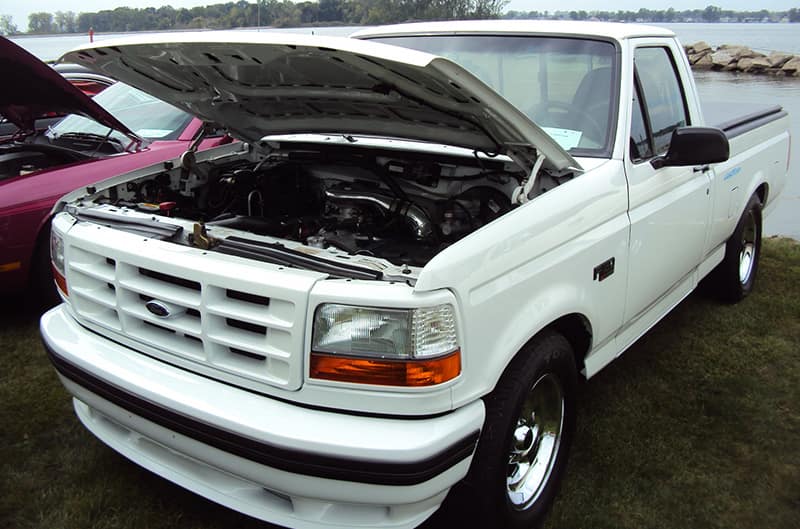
750 116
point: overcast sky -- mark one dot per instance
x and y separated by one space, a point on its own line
20 9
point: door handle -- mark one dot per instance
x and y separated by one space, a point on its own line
702 168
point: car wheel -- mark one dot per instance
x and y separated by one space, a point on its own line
734 278
522 453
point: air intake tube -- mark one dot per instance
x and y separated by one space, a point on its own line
414 215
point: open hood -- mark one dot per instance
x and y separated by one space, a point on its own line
34 89
265 84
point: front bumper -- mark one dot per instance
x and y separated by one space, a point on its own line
270 459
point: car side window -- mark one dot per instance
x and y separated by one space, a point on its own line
641 147
660 95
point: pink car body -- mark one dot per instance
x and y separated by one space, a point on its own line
27 198
26 201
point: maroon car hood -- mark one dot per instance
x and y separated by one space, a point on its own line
32 89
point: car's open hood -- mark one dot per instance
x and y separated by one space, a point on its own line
264 84
32 89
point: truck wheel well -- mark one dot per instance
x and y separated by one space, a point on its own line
763 192
577 330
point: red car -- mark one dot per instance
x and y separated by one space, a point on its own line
128 130
90 83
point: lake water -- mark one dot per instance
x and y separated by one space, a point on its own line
719 86
760 37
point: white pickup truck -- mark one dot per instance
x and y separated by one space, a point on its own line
389 287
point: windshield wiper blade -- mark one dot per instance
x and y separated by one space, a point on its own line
276 253
90 136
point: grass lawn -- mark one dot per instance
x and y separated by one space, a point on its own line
697 425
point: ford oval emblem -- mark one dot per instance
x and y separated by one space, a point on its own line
158 308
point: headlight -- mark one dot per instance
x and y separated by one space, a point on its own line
57 258
398 347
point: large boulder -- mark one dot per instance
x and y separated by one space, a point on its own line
792 67
699 47
753 65
739 52
777 58
723 58
703 63
729 57
744 64
695 57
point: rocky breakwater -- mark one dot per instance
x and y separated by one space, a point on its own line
731 58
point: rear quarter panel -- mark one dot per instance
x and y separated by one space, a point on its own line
759 156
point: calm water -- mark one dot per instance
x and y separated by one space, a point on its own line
719 86
760 37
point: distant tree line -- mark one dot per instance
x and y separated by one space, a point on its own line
285 13
709 14
282 13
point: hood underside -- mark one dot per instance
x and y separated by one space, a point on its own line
34 89
265 84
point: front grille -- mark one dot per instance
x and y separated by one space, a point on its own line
228 323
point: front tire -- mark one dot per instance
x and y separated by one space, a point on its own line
734 278
522 453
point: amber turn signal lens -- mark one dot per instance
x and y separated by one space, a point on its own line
10 267
409 373
61 281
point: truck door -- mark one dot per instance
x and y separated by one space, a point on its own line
668 207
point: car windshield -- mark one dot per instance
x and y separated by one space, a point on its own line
567 86
143 114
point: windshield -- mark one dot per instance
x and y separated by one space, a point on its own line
567 86
143 114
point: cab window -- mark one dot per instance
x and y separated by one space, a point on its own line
641 144
659 102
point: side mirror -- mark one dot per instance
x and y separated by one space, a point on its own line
695 146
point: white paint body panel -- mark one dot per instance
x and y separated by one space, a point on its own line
533 266
509 280
289 499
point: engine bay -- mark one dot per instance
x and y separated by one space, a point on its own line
24 155
365 205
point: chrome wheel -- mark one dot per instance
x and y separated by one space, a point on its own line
734 278
747 254
536 440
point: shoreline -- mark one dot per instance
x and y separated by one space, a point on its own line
735 58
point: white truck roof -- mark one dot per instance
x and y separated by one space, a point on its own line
614 30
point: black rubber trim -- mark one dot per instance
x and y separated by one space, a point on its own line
152 228
278 254
294 461
753 120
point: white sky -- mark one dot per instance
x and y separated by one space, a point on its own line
20 10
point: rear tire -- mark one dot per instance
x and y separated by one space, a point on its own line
734 278
522 454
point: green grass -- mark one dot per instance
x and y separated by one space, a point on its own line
696 426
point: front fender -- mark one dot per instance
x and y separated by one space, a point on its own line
517 275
